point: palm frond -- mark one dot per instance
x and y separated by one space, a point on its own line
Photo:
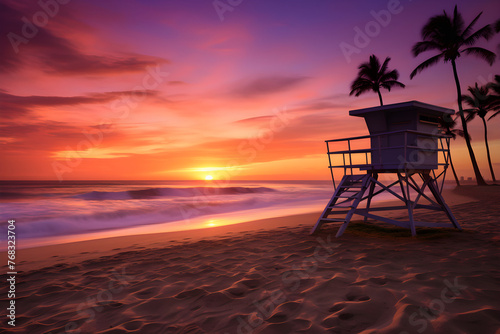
471 113
460 133
374 62
361 85
448 124
383 68
429 62
391 83
469 100
482 53
498 112
392 75
467 30
423 46
485 32
458 20
495 84
495 97
431 30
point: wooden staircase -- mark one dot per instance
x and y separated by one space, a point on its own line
344 202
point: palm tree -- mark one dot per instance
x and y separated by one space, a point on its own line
495 97
496 26
480 102
448 124
447 35
372 77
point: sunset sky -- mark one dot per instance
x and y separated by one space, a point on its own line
175 90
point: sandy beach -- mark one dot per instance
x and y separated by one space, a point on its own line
271 276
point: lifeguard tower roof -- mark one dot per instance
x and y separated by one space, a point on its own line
402 107
399 133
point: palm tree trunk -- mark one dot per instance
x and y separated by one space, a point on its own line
453 169
380 97
488 149
477 172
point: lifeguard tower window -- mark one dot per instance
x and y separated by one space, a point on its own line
428 119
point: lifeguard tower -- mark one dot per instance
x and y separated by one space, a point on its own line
405 140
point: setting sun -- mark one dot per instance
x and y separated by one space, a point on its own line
209 177
212 223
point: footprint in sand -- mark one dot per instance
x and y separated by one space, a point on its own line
110 304
191 293
49 289
345 316
241 288
215 299
336 320
132 325
423 276
378 280
250 283
355 297
337 307
284 312
146 293
237 291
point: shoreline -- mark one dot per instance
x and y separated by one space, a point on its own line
40 256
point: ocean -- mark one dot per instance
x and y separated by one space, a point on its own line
50 212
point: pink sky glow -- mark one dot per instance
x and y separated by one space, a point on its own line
177 90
